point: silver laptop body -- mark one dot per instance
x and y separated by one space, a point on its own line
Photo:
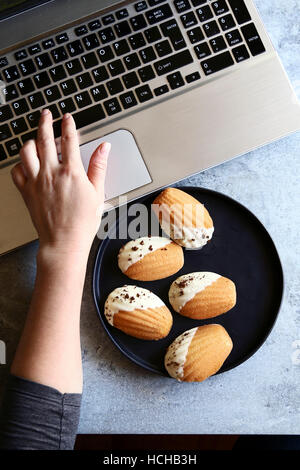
242 100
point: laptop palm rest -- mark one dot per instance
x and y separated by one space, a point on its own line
126 169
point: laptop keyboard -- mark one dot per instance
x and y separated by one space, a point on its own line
120 62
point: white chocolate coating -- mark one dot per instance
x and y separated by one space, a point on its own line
192 238
185 287
129 298
135 250
177 352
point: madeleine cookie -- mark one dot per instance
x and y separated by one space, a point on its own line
138 312
183 218
198 353
202 295
150 258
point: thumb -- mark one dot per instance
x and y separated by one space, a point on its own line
97 166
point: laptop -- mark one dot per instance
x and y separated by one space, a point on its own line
176 86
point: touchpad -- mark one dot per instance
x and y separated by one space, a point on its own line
126 169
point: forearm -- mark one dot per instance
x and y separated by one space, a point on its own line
49 350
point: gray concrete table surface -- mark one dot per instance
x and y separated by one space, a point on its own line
261 395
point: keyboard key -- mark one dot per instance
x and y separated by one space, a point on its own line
67 106
122 14
138 22
90 41
152 3
195 35
29 136
20 55
175 80
148 54
43 61
204 13
34 49
73 66
121 47
20 106
41 79
137 40
112 106
188 19
240 11
218 44
59 54
3 62
48 43
84 80
93 25
128 100
108 19
99 93
132 61
54 111
198 3
57 73
57 128
5 113
3 155
159 14
192 77
211 29
26 86
10 92
171 30
100 74
173 62
163 48
68 87
27 67
33 119
161 90
144 93
62 37
18 126
5 132
116 68
13 147
122 29
227 22
52 94
217 63
83 99
114 86
152 34
233 37
220 7
81 30
140 6
105 53
36 100
130 80
253 40
89 60
240 53
146 73
11 74
202 50
106 35
75 48
182 5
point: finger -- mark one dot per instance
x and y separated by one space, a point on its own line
30 159
97 167
70 152
18 176
45 140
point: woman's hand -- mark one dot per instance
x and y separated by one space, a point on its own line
64 202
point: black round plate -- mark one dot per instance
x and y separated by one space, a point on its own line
241 249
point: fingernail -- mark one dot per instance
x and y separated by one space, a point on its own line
105 147
45 111
67 116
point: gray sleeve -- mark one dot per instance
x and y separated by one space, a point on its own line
34 416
